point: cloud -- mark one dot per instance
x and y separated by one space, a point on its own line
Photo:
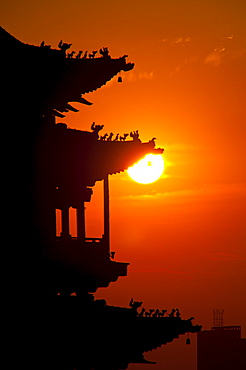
230 47
146 75
191 59
215 58
133 76
238 54
180 41
222 256
206 191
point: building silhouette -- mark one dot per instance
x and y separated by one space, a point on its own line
221 348
51 167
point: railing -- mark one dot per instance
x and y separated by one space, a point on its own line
226 328
87 240
97 240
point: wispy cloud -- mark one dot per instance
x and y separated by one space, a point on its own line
215 58
229 47
177 41
221 256
133 76
182 41
206 191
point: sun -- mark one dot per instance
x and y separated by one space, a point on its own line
148 169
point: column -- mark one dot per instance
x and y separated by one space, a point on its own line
106 213
81 222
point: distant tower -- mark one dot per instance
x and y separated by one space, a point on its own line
218 317
222 347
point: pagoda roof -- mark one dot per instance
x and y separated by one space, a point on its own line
79 157
48 79
116 156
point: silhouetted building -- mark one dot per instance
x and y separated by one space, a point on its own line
221 348
70 163
50 168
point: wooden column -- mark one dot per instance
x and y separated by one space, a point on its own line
106 213
81 222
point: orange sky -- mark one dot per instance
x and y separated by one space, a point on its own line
185 234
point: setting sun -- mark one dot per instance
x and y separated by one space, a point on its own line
148 169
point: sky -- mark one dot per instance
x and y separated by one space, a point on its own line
184 235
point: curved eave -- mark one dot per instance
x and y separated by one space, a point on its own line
53 79
116 157
81 76
80 158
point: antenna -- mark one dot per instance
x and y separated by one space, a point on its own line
218 317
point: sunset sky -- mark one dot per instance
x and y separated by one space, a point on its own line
184 235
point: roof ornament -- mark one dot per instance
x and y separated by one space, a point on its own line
104 53
188 340
110 136
63 46
92 55
78 56
135 305
119 77
104 137
123 138
96 128
135 135
42 45
85 55
70 55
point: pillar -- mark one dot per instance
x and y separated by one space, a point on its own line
106 213
81 222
